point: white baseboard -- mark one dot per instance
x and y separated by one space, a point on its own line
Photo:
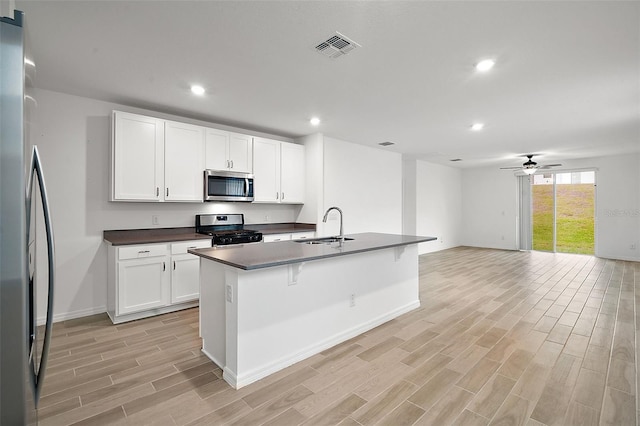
73 315
259 373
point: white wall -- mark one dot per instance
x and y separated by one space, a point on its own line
311 211
490 206
617 204
73 136
409 196
438 205
366 183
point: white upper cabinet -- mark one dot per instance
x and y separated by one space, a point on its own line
228 151
156 160
240 152
278 169
266 170
184 150
137 158
217 142
292 171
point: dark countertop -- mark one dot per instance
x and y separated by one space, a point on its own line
152 236
281 228
257 256
169 235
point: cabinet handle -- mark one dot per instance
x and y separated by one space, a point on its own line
174 265
143 251
277 195
164 266
157 191
282 196
167 192
228 164
232 164
192 247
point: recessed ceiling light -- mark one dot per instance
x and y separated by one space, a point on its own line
485 65
387 143
197 90
314 121
476 127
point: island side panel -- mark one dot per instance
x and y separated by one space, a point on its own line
212 311
288 313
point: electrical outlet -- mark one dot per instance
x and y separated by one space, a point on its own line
632 246
352 300
229 294
266 218
155 220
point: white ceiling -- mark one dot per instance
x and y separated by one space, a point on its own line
566 82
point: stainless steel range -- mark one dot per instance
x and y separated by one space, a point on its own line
226 229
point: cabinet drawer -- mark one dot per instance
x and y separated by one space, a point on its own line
182 247
272 238
302 235
137 252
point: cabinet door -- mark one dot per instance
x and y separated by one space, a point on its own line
217 143
266 170
143 284
185 278
184 162
137 158
240 153
292 179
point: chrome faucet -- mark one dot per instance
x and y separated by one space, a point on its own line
324 219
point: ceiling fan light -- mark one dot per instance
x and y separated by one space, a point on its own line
529 170
197 90
485 65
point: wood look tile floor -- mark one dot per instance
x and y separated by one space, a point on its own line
501 338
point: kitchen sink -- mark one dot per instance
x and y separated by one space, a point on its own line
325 240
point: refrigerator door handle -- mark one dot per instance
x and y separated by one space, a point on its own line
39 371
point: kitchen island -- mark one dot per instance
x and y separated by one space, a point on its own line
265 306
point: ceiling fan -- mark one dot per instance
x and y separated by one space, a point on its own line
529 167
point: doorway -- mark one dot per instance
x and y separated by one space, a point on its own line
562 212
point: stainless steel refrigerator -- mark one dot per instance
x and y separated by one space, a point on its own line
23 345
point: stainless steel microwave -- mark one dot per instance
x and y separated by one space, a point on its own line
227 186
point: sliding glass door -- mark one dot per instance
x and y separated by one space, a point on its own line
558 212
542 213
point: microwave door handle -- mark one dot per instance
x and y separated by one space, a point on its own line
246 187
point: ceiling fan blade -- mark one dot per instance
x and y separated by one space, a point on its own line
548 166
510 168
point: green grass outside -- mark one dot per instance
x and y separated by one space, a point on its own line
575 218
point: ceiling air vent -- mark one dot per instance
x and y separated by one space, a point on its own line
386 143
336 45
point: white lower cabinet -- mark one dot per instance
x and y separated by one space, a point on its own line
143 284
303 235
271 238
152 279
185 271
